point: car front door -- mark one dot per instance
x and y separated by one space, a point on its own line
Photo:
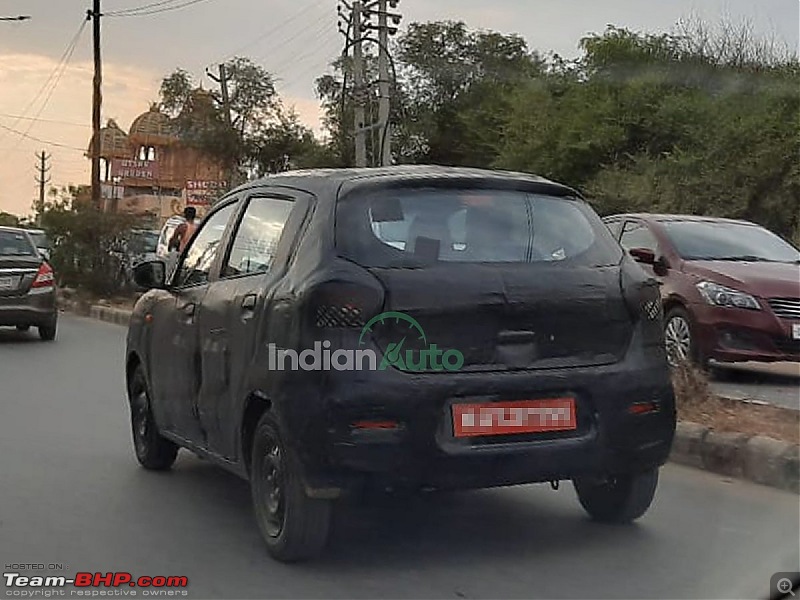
174 346
232 311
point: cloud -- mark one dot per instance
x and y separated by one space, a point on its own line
65 119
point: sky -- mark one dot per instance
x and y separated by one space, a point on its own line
293 39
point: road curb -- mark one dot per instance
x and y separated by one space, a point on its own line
118 316
756 458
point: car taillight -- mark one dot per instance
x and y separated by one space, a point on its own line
344 305
44 277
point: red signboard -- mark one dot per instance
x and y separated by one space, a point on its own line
134 169
201 193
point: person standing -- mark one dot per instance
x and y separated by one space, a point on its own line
184 231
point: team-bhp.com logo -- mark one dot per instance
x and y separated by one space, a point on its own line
321 358
90 584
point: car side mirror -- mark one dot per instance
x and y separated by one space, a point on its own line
150 275
643 255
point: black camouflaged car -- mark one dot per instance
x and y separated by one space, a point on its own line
410 328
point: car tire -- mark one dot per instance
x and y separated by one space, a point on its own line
620 499
48 332
153 451
295 527
679 337
23 328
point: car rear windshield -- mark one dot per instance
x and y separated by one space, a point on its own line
15 243
415 227
40 239
708 240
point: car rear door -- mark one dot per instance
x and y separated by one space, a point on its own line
232 312
174 356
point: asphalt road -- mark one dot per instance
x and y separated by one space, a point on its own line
73 494
773 383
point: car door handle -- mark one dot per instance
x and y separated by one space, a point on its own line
249 303
188 310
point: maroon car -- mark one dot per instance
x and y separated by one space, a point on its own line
731 289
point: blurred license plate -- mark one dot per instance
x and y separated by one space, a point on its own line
796 331
504 418
7 283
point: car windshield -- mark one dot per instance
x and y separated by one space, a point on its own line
718 240
417 227
15 243
143 242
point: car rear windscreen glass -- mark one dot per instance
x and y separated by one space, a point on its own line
421 226
704 240
13 243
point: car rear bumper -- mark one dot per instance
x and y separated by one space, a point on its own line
738 335
35 308
422 450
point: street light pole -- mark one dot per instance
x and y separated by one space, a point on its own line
19 18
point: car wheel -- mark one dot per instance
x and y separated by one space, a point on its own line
48 332
23 328
679 339
620 499
152 451
294 526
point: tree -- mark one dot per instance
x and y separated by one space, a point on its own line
86 242
8 219
260 133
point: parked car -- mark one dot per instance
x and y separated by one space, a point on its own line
503 336
163 252
731 289
27 285
41 241
143 246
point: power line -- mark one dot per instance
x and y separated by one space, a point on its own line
52 90
144 6
280 26
67 51
155 11
36 139
53 121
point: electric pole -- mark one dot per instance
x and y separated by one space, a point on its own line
222 80
384 99
97 100
358 86
42 179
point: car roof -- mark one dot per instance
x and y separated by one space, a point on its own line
13 229
358 177
666 218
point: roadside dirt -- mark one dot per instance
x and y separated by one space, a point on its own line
697 403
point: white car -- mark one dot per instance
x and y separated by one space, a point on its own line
170 257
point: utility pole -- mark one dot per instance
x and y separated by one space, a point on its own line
97 101
222 80
385 79
384 100
42 179
358 86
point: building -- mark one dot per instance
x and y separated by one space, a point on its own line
149 171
